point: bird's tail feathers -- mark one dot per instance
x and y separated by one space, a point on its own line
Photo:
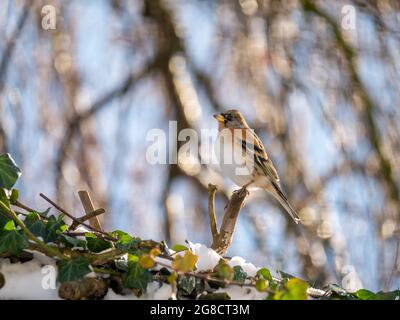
280 196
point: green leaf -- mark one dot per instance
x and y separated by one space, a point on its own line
364 294
393 295
121 264
4 217
136 277
9 226
261 285
43 213
35 225
71 270
239 274
3 220
54 227
126 243
12 241
185 263
96 244
147 261
9 172
265 274
224 271
179 247
295 289
14 196
72 242
122 236
32 217
187 284
132 258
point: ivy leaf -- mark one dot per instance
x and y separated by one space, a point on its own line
239 274
125 242
121 264
54 226
4 217
96 244
185 263
71 270
261 285
3 220
146 261
122 236
224 271
43 213
295 289
136 276
12 241
393 295
38 228
179 247
155 252
72 242
14 196
31 218
9 172
171 278
265 274
9 226
187 284
35 225
364 294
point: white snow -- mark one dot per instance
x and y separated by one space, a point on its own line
25 281
208 258
247 267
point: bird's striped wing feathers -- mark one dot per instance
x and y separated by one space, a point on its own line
251 143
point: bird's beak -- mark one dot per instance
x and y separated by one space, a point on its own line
219 117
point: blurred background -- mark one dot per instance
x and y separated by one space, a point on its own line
317 80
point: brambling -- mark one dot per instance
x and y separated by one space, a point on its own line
243 159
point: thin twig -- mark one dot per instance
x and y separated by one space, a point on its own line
88 216
75 219
28 209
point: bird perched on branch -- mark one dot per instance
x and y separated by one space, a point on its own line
243 159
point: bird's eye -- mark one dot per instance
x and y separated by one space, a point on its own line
228 117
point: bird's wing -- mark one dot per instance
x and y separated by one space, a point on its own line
252 143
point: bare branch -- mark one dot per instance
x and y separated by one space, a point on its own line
224 239
212 189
